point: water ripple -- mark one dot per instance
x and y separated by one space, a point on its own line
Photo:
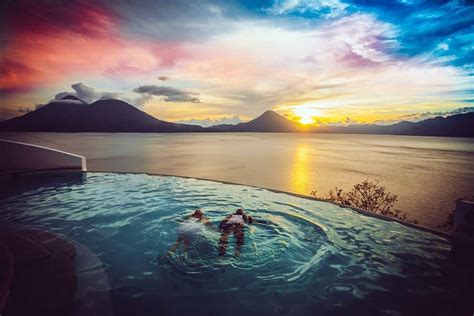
311 252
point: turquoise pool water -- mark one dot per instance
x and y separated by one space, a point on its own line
308 258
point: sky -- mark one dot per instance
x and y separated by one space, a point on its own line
210 62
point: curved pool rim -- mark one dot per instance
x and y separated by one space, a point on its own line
444 234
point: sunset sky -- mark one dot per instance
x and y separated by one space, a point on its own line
207 62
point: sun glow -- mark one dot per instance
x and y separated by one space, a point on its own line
306 114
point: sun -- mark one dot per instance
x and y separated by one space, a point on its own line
306 114
306 120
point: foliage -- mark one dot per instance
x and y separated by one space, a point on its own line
449 222
369 196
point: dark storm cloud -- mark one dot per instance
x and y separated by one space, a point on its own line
89 95
140 101
170 94
86 93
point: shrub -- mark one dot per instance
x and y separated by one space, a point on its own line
369 196
448 222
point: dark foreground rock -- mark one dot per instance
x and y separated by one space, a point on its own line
6 275
42 280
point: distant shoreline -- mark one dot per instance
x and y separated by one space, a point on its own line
232 132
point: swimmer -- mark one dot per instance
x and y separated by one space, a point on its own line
233 223
189 229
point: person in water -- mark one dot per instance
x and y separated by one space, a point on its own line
189 230
233 223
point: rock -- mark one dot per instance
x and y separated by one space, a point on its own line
46 287
44 277
23 249
6 275
51 242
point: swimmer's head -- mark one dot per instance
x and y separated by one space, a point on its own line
197 213
239 211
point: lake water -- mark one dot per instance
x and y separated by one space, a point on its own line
427 173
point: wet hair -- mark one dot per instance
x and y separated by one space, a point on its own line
197 213
239 211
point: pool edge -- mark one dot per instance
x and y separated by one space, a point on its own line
441 233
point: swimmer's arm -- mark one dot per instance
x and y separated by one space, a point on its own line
207 222
262 221
248 219
172 249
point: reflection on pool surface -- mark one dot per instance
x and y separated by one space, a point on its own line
312 258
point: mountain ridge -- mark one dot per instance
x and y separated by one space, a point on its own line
104 115
71 114
457 125
269 121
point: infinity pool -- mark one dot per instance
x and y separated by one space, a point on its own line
308 258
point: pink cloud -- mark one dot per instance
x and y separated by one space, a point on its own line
350 58
11 74
355 41
48 44
144 57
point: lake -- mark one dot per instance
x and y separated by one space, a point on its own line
427 173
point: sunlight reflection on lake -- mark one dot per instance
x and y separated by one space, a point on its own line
300 171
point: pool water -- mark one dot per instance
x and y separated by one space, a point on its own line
305 257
